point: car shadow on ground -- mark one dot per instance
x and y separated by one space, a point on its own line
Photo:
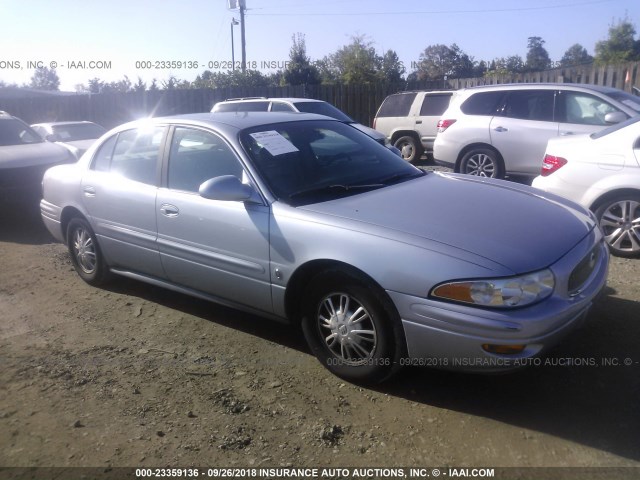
20 222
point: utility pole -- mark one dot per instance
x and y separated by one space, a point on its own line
243 7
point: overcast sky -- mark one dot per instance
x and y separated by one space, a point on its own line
120 34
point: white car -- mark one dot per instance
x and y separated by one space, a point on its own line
601 172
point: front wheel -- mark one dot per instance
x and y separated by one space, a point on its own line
86 256
351 328
410 148
619 219
482 162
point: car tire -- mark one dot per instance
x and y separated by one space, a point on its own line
619 219
85 253
352 327
482 162
410 148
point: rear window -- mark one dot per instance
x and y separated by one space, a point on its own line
434 105
397 105
482 103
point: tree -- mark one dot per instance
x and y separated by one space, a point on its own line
438 61
300 70
537 56
575 55
45 79
139 86
620 47
391 68
356 62
95 85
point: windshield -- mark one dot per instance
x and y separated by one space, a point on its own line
312 161
78 131
323 108
614 128
14 132
626 98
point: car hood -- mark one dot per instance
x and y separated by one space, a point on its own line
35 154
515 226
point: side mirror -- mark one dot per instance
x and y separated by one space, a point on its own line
615 117
228 188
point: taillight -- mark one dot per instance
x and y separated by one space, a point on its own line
444 124
550 164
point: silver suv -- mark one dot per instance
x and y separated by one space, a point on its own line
306 105
409 120
499 130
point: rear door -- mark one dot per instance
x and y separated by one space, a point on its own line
119 193
426 123
521 129
217 247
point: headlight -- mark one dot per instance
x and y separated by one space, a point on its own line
499 292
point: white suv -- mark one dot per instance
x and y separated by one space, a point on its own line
499 130
409 120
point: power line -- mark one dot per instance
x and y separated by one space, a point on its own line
432 12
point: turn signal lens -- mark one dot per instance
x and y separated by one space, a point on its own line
504 349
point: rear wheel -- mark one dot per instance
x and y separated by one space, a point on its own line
410 148
482 162
619 219
86 256
351 328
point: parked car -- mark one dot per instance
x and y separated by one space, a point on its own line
24 157
500 130
409 120
77 136
306 220
600 172
306 105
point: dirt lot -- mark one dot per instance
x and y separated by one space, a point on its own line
133 375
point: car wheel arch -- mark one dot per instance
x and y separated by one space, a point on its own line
601 200
304 274
68 214
404 133
475 146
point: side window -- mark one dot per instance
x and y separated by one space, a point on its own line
252 106
434 105
583 108
281 107
530 105
102 159
136 154
397 105
482 103
197 156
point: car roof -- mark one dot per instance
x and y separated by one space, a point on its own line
239 120
53 124
541 86
269 99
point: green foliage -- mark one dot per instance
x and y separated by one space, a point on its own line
621 45
300 71
537 56
575 55
45 79
438 61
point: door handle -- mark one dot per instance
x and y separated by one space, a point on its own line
564 134
169 210
89 191
418 122
501 129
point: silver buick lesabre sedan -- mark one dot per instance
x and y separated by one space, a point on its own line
307 220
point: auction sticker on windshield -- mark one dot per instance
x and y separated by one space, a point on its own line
275 143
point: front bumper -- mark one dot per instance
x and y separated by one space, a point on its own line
451 336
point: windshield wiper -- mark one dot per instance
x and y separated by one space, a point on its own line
330 188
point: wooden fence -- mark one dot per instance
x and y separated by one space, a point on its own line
358 101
